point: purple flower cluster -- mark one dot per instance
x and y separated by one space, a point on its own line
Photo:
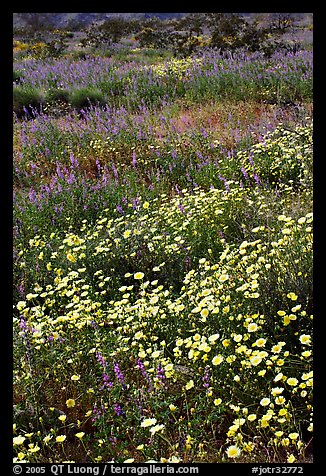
118 373
98 412
206 377
160 374
118 410
133 81
107 384
141 367
101 360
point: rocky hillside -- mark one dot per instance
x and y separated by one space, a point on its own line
63 19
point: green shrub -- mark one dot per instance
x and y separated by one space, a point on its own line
86 97
57 94
27 100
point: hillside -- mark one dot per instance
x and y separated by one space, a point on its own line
63 19
60 20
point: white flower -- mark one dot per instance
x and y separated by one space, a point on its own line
148 422
156 428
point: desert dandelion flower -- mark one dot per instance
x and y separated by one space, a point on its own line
60 438
148 422
190 385
18 440
233 451
255 360
305 339
252 327
217 360
70 402
265 401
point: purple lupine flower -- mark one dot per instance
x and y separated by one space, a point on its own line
206 377
72 159
160 373
118 373
182 210
98 412
250 157
21 290
178 190
101 359
106 382
134 159
256 178
120 209
204 132
118 410
145 374
32 195
227 187
71 178
115 172
98 166
135 203
25 328
23 323
244 173
33 168
58 170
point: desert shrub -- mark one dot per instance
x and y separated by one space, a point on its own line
57 94
110 31
85 97
27 100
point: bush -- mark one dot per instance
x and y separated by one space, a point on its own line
57 94
27 100
85 97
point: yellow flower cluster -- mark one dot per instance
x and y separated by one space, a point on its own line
175 67
219 321
285 156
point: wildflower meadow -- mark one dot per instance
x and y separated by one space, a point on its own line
163 237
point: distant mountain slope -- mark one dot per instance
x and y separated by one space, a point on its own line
85 19
62 19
